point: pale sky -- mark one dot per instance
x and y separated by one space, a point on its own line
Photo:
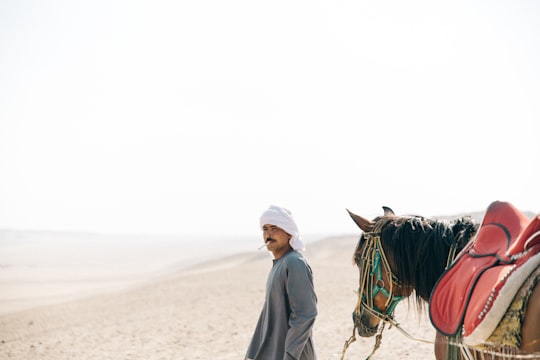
191 117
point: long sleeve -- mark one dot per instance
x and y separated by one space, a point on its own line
303 307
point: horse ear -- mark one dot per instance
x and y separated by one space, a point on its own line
363 223
388 211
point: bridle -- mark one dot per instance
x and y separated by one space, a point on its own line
373 261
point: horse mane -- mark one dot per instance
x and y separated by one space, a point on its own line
418 249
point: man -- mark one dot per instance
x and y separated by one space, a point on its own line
284 329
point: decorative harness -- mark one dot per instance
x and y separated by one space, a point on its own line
373 262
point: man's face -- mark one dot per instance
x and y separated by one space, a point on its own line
276 239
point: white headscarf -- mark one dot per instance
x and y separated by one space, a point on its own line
283 218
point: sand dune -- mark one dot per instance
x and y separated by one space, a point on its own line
206 312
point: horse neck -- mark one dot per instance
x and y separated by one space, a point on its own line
432 252
463 230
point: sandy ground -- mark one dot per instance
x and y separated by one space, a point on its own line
206 312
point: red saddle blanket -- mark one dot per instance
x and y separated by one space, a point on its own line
473 294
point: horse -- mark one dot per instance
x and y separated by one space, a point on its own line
401 255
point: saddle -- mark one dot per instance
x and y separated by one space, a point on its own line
473 294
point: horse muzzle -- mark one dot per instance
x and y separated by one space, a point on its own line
364 325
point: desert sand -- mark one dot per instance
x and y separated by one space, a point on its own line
207 311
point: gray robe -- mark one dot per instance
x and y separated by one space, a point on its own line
284 329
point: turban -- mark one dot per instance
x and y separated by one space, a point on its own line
283 219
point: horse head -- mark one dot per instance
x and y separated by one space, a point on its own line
379 289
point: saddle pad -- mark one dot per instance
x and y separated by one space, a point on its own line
487 306
475 291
